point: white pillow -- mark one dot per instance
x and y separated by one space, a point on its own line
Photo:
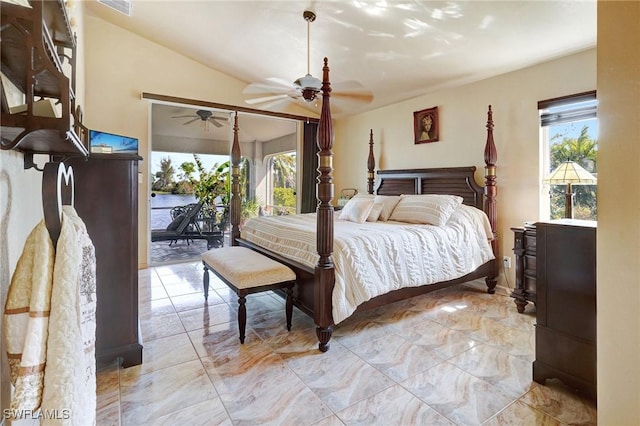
388 203
374 214
432 209
357 209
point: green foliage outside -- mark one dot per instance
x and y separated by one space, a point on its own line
583 150
206 185
283 172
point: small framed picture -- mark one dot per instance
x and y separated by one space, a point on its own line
425 125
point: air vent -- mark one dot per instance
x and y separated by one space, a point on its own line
122 6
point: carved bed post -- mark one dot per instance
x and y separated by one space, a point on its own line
324 271
235 184
491 192
371 164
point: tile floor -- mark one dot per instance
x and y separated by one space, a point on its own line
455 356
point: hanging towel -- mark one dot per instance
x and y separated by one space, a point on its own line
26 318
70 382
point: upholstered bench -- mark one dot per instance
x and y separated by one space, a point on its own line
245 272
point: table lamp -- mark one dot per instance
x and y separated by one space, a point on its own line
570 173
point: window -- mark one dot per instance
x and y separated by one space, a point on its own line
569 132
281 173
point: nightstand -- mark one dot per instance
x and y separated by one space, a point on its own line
524 248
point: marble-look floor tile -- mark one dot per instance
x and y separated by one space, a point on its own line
158 326
152 293
508 373
354 332
329 421
457 395
392 406
207 316
558 401
205 376
182 288
438 339
221 338
339 379
164 391
153 307
256 386
161 353
516 342
205 413
474 324
520 413
396 357
190 301
108 394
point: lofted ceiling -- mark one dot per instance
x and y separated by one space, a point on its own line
397 50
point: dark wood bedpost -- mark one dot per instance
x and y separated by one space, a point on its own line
491 192
371 164
324 271
235 184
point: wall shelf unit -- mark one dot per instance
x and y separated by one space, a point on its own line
38 53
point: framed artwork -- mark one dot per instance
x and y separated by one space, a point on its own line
425 125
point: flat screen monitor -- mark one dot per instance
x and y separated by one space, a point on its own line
110 143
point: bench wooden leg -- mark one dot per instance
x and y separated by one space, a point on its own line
242 317
289 307
205 281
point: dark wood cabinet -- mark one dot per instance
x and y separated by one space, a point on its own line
106 198
524 248
566 304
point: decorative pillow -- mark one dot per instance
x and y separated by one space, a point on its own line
388 203
175 222
374 214
357 209
432 209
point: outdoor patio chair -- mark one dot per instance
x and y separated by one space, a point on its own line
183 227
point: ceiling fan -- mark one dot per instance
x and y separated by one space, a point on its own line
305 89
203 115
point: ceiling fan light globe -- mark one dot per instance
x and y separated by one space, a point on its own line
309 87
308 82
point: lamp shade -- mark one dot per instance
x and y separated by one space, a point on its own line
570 172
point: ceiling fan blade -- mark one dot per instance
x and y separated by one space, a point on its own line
270 85
281 82
215 122
182 116
266 99
362 97
190 121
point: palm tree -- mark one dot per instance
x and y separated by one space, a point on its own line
584 151
164 178
284 170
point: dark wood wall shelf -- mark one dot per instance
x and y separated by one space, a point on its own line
35 43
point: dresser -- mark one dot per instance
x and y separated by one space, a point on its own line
566 304
524 248
106 198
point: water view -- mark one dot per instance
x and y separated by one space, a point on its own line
162 204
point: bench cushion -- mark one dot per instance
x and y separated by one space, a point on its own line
245 268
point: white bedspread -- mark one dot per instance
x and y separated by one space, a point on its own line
374 258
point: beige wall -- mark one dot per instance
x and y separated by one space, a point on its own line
618 213
462 121
120 66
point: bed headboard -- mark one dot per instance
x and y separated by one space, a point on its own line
450 180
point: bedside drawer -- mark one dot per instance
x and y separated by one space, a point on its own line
530 263
530 241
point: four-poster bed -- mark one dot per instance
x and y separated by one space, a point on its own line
315 284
